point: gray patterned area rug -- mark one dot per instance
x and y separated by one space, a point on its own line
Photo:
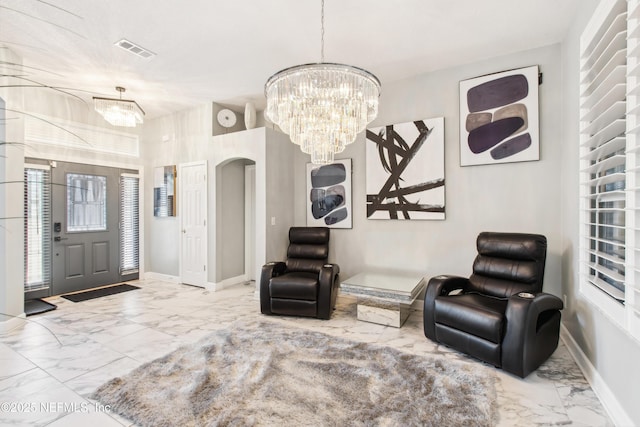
267 374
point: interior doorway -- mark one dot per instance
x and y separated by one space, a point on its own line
250 222
235 222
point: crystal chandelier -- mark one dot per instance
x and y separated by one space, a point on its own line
119 112
322 106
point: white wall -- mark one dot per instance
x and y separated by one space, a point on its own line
11 217
522 197
179 138
611 354
11 198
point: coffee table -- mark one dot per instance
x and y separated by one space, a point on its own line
384 298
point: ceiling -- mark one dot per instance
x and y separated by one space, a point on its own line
224 51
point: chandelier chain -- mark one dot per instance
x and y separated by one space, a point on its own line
322 32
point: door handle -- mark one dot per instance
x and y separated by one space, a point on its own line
184 231
58 238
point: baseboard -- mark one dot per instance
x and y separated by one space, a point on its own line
226 283
150 275
13 322
614 409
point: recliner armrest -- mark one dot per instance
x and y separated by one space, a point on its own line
327 289
439 285
269 270
523 316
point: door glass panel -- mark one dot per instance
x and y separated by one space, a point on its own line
86 202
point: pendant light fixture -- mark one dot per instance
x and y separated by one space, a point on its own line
322 106
119 112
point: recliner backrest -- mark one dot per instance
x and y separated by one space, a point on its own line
308 249
508 263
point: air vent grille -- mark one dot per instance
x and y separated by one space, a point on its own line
135 49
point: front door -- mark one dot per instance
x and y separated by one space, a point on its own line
85 226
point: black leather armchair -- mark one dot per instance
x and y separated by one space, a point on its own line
305 284
500 314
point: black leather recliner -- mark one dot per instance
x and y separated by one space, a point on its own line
305 284
500 314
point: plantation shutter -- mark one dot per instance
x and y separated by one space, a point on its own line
37 228
603 153
129 224
632 299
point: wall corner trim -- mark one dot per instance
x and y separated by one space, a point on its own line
614 409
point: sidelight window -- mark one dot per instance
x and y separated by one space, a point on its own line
37 228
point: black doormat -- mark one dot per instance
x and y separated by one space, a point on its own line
97 293
37 306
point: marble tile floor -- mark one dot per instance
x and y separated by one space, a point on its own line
52 362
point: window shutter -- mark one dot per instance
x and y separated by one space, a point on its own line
37 228
129 224
603 158
632 296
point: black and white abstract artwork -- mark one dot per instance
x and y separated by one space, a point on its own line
329 195
405 171
499 118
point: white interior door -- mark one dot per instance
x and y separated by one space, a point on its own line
192 205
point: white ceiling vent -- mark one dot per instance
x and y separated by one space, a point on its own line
135 49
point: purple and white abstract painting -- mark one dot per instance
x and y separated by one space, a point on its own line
499 118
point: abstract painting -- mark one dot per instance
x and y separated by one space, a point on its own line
329 192
499 118
405 171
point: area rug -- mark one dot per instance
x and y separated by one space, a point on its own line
268 374
100 292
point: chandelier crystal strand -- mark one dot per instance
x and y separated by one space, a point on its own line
322 106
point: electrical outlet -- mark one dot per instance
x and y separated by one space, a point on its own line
273 220
564 299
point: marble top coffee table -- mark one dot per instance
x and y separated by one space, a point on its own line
384 298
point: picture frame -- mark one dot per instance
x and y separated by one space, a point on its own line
499 120
405 177
329 195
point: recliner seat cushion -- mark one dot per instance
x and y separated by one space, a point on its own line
295 285
475 314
